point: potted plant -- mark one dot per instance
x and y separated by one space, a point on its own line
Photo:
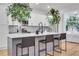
54 17
19 11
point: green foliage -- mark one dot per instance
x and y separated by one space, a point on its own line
19 11
72 21
54 16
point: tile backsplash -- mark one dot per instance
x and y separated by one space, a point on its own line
14 28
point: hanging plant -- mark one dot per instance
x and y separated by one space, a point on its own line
54 16
19 11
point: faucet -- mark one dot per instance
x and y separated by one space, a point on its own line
40 27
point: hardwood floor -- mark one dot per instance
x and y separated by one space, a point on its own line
3 52
72 50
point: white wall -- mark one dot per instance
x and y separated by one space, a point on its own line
61 23
37 17
3 26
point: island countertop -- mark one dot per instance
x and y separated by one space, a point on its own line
20 35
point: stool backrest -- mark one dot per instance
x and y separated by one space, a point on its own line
28 41
49 38
63 36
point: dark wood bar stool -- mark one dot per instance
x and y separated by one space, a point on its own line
26 43
57 37
61 37
49 38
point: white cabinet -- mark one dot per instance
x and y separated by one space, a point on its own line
3 36
3 26
3 14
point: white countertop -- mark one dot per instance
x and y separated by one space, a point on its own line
20 35
72 33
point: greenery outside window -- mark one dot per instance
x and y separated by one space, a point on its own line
72 23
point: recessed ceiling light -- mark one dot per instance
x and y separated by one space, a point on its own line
37 3
75 12
48 6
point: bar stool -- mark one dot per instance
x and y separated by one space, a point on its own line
49 38
57 37
61 37
26 43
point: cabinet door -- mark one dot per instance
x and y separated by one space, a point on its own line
3 14
3 36
3 26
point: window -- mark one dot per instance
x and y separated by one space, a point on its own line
72 23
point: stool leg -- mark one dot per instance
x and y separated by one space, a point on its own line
59 46
34 50
28 50
53 47
21 51
38 48
16 51
65 45
45 49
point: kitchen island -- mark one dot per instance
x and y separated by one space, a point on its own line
13 39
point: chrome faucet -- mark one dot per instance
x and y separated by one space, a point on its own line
40 27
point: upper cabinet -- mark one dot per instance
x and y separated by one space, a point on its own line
36 18
3 15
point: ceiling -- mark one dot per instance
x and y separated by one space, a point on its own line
62 7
